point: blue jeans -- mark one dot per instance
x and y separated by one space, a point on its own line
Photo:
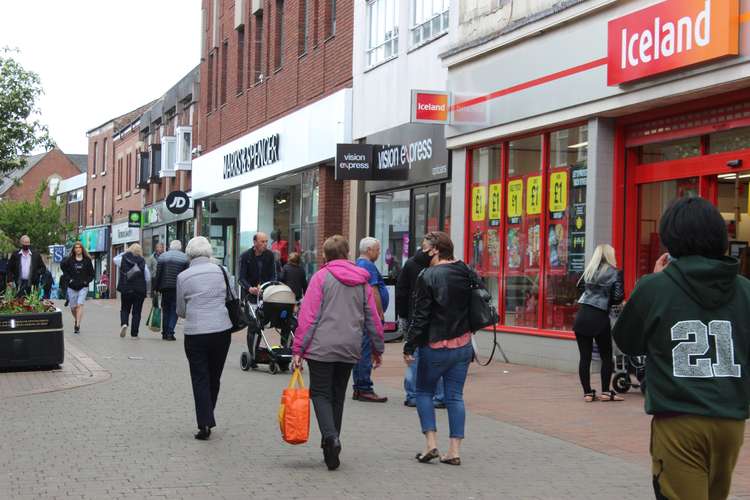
361 374
453 366
410 383
168 312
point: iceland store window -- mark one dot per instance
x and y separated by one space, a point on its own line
527 226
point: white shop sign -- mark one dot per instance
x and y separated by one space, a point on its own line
305 137
122 234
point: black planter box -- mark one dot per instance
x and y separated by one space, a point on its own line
31 340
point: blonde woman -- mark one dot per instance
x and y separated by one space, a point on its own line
132 280
603 288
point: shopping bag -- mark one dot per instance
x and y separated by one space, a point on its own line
154 319
294 411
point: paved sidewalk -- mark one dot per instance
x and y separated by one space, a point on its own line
131 436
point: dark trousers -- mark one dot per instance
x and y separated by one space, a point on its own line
24 288
586 348
328 382
168 312
206 355
131 302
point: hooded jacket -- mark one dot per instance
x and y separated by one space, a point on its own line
338 308
692 322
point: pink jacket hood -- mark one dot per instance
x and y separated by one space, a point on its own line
347 272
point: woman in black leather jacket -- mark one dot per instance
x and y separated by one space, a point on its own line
603 288
440 330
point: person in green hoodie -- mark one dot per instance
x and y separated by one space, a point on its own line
690 317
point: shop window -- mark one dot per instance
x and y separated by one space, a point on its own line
671 150
382 26
566 227
447 208
729 140
523 233
430 19
485 220
391 223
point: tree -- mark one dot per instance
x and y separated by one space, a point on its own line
21 132
42 223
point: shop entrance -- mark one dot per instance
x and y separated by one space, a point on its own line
714 166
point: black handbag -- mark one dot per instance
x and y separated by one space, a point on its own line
482 313
234 307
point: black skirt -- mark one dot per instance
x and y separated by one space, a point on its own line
591 321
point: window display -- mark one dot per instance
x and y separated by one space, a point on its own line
528 213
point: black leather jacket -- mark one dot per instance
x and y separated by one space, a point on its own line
441 305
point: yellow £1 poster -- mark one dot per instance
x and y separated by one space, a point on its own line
495 200
534 195
558 191
515 198
478 203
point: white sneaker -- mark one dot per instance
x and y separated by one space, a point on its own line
123 330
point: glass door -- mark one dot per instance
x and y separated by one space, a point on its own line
426 212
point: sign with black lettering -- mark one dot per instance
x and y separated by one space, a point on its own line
178 202
262 153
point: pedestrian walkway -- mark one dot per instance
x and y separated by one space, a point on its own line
131 436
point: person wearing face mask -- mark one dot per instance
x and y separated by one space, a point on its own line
25 268
407 281
441 331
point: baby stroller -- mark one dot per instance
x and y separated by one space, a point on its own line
275 309
627 367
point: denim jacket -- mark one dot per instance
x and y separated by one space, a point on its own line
605 290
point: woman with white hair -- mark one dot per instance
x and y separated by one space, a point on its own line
603 288
132 283
201 301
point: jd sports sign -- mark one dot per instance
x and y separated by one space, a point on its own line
262 153
178 202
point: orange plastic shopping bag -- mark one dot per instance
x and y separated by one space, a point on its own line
294 411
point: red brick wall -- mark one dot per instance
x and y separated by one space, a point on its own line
302 79
128 199
54 163
100 175
330 207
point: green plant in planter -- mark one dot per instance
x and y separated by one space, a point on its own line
11 303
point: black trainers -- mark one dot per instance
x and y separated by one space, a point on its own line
76 329
331 451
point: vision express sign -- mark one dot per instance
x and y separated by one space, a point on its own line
367 162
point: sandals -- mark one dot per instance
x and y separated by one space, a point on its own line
589 397
428 457
451 461
610 396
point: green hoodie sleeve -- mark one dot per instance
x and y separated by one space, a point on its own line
631 331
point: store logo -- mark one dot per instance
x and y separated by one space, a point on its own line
262 153
178 202
671 35
430 107
354 161
134 218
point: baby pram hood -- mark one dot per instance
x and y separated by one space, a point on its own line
278 293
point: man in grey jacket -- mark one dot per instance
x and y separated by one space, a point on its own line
168 266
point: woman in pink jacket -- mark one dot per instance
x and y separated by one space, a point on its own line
338 308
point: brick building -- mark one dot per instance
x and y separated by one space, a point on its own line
275 100
165 129
100 189
51 167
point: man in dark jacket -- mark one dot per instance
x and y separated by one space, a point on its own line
257 266
690 318
405 286
25 268
168 266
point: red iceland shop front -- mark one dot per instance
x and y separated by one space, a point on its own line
694 149
527 226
